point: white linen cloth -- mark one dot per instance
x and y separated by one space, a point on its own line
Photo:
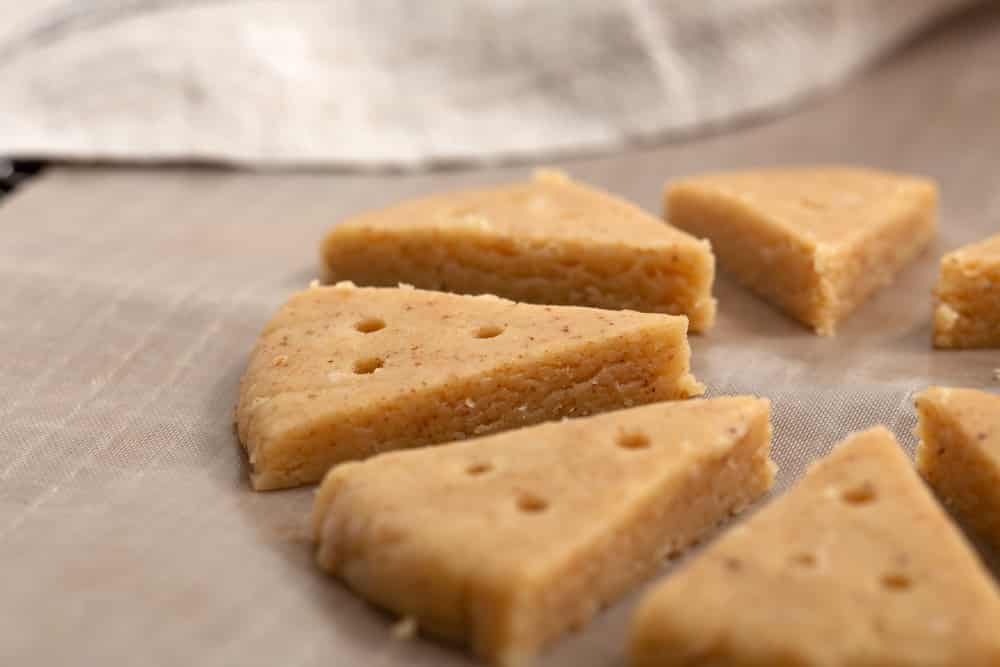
367 83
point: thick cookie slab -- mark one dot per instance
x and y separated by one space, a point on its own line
857 565
968 297
342 373
814 241
959 453
506 542
550 241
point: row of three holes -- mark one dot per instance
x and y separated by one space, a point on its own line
373 324
531 503
632 440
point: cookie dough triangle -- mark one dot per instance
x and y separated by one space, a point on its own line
506 542
856 565
959 454
549 240
814 241
967 313
343 372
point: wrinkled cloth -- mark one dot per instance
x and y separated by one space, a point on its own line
376 83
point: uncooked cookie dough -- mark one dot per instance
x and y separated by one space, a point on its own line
959 453
814 241
505 543
857 565
968 297
344 372
550 240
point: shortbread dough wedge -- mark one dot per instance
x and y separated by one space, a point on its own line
959 454
968 297
550 241
504 543
343 372
814 241
856 566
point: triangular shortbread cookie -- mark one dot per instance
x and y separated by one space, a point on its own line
548 241
814 241
959 454
857 565
342 373
506 542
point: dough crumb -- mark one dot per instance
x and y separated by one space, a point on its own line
314 283
280 360
405 628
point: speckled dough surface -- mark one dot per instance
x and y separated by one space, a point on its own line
968 297
815 241
343 372
856 566
549 240
506 542
959 454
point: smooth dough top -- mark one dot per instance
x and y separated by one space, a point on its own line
827 204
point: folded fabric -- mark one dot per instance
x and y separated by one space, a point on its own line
393 82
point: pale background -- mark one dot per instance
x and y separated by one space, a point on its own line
374 83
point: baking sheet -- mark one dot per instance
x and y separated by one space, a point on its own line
130 298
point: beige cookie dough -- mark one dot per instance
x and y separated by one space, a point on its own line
856 566
550 240
959 453
344 372
504 543
968 297
814 241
